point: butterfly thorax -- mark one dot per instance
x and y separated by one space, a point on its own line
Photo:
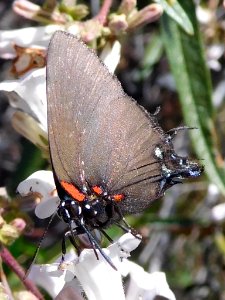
96 209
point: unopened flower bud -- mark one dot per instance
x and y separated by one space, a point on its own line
127 6
30 129
8 234
19 224
35 12
77 12
118 23
90 30
146 15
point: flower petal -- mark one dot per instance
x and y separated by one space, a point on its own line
111 55
47 208
29 94
53 279
42 183
30 36
128 242
98 279
218 213
52 284
31 129
144 285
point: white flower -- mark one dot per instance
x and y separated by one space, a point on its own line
51 278
25 37
96 277
42 183
147 286
29 94
214 52
218 213
204 15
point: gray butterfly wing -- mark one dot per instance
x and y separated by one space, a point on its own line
97 131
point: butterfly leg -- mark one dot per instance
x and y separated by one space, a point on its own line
95 245
63 250
127 227
71 235
106 235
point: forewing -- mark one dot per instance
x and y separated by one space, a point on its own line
77 85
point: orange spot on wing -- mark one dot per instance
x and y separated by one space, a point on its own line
97 190
118 197
72 191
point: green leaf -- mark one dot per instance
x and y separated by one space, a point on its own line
173 9
153 53
186 57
